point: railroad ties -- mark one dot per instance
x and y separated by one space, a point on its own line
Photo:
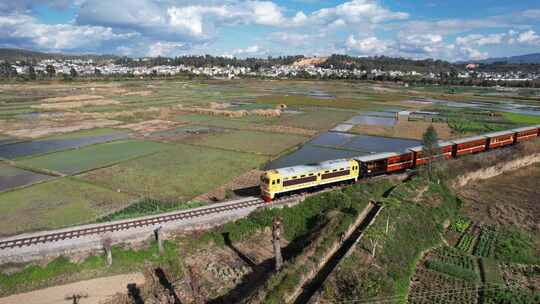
77 232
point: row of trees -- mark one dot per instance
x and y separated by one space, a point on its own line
8 71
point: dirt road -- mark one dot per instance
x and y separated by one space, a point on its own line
96 290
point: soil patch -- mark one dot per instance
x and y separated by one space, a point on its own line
404 129
243 185
71 98
47 128
508 199
76 104
93 291
150 126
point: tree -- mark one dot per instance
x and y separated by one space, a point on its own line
7 70
73 72
31 73
430 141
51 71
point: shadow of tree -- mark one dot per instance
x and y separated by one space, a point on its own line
134 292
164 281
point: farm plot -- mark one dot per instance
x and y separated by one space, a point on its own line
177 174
12 177
96 156
452 262
404 129
428 286
60 142
250 141
55 204
315 119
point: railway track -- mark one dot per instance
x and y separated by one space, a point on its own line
123 225
77 232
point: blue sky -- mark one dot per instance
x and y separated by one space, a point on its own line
441 29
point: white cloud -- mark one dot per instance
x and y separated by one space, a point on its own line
367 46
474 54
355 12
28 31
529 37
481 40
165 49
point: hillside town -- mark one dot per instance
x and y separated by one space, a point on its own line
81 67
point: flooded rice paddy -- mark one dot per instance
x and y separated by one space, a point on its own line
35 147
334 145
507 106
11 177
382 118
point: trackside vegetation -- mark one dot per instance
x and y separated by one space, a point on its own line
300 223
386 259
62 270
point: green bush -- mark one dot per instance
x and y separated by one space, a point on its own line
517 247
460 224
148 206
453 270
509 296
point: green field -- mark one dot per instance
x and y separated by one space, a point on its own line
177 174
96 156
364 103
250 141
56 204
522 119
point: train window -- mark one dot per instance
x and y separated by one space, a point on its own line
327 171
334 170
303 175
341 169
293 177
311 174
273 182
278 181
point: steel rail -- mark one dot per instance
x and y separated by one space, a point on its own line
125 225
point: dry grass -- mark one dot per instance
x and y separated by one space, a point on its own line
405 129
72 98
44 128
216 109
139 93
75 104
150 126
246 180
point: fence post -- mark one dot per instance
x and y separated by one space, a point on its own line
159 240
276 237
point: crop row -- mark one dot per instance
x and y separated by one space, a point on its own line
486 242
453 270
449 255
466 242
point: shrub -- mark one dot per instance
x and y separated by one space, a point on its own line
453 270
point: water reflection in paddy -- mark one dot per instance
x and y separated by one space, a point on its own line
28 148
334 145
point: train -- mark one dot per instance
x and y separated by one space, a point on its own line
283 181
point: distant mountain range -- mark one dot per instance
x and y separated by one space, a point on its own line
521 59
10 54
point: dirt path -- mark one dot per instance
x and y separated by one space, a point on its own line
98 290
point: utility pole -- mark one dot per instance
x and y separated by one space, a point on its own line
159 240
276 238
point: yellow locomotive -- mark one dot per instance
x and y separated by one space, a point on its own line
285 180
